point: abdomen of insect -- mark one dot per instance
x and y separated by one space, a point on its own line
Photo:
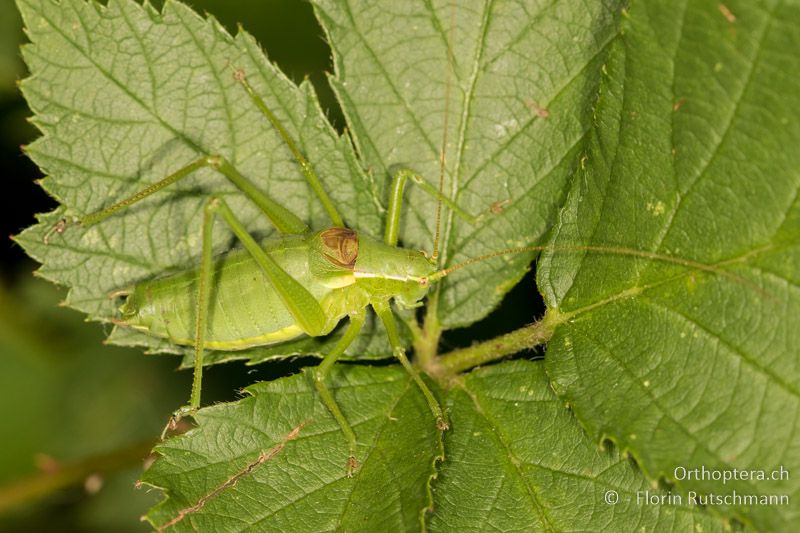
244 310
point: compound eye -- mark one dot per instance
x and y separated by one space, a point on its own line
340 247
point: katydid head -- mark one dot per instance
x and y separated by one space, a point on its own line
391 272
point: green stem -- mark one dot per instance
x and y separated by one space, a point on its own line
485 352
37 486
426 343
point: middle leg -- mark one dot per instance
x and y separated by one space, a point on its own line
384 312
322 371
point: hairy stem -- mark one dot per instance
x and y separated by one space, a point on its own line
485 352
426 343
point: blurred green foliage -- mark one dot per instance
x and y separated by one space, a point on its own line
68 397
14 129
10 36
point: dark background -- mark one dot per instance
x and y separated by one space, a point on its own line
66 397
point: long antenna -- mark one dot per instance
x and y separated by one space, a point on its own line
443 149
615 250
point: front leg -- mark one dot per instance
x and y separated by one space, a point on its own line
384 312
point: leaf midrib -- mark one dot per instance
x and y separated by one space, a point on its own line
512 460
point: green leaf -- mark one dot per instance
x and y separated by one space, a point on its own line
691 157
517 461
125 95
276 460
669 132
503 88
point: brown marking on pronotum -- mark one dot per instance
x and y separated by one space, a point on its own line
677 105
341 246
539 110
233 480
729 16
